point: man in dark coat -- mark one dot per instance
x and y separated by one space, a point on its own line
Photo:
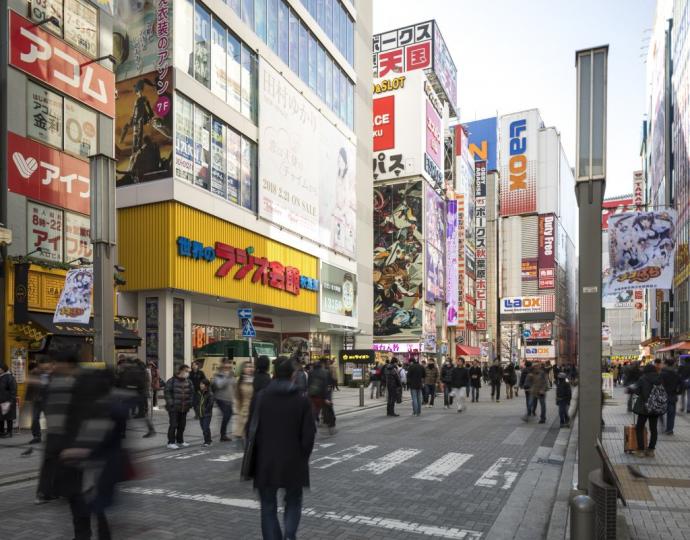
475 381
283 441
673 386
631 375
261 376
643 388
394 387
496 378
445 380
415 380
196 376
178 400
8 401
459 378
524 384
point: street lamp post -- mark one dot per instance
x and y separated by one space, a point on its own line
590 184
103 238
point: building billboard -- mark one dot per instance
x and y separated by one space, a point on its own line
452 262
547 251
527 304
638 189
618 205
398 260
338 296
444 69
482 135
435 235
384 123
519 147
641 250
540 352
434 138
307 174
480 246
538 330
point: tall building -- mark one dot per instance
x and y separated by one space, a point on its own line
58 108
538 235
241 180
414 100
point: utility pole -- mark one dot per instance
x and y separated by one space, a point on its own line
590 184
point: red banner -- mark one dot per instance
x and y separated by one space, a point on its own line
384 123
47 175
52 61
547 251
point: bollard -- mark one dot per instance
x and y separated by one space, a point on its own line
582 513
361 395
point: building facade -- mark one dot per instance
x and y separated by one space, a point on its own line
241 182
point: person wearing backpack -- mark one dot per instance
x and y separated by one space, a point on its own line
651 403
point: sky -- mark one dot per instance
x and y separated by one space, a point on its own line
513 55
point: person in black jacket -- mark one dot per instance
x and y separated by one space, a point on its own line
531 407
684 374
205 403
179 394
458 380
282 437
393 385
415 381
630 377
196 376
133 377
475 381
564 394
673 386
643 388
496 378
445 380
261 376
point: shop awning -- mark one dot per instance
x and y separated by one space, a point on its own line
467 350
651 341
680 346
124 338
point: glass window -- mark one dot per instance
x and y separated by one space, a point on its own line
202 147
294 42
320 12
343 31
312 62
152 328
328 18
249 83
248 167
351 105
260 19
235 6
303 53
184 139
321 74
350 41
336 89
343 97
202 36
218 60
336 24
234 161
178 332
44 115
218 159
234 72
329 82
283 31
272 25
81 128
184 36
248 12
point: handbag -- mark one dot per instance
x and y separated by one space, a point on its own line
638 405
249 457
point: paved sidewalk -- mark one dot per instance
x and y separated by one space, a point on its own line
659 507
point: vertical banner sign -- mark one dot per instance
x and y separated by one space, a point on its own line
480 244
384 123
638 189
435 235
74 305
482 141
518 152
547 244
452 263
461 262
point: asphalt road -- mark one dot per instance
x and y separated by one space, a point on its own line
440 475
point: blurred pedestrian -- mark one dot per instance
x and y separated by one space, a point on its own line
394 386
673 386
375 381
155 383
261 375
205 401
651 395
458 380
223 386
8 401
133 377
196 376
333 368
564 394
475 373
178 400
509 379
630 378
445 381
318 387
280 441
496 379
524 384
415 380
431 379
39 377
684 374
243 397
538 385
402 371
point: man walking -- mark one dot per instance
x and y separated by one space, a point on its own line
223 385
537 383
394 386
280 439
475 373
445 380
684 374
524 385
431 380
673 386
458 380
318 388
178 400
375 381
196 376
39 377
496 379
415 380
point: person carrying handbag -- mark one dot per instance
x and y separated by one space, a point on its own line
650 403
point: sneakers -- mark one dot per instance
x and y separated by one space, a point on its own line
35 440
172 446
206 444
639 453
184 444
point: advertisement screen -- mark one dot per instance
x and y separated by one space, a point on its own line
338 296
519 166
452 263
483 143
538 330
398 260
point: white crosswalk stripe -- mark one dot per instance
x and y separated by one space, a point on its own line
443 467
224 458
387 462
498 473
340 456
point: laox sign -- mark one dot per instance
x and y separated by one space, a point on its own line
518 158
528 304
522 303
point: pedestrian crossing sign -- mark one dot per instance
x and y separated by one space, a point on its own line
248 329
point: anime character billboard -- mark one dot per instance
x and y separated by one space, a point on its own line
641 250
398 260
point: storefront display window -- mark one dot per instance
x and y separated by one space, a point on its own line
218 60
218 159
184 139
152 329
178 331
202 147
202 37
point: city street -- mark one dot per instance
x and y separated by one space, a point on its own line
482 473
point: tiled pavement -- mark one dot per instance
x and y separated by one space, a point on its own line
659 506
442 475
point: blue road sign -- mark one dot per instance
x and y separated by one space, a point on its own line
248 329
244 313
526 333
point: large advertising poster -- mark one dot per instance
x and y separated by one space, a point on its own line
482 136
81 129
143 129
444 68
434 138
519 163
480 246
398 260
547 251
641 250
74 305
307 174
435 234
338 296
537 330
452 263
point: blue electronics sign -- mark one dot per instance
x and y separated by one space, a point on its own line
483 141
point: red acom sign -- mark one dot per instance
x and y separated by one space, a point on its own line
44 174
52 61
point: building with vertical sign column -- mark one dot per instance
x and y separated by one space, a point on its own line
538 237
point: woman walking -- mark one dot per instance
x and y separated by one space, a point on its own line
243 397
649 386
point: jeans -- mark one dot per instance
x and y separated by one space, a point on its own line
390 403
653 422
671 413
542 406
205 423
226 410
431 391
416 395
81 519
425 394
270 526
468 389
446 395
459 395
475 393
531 407
509 391
563 407
178 421
496 390
375 387
36 419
